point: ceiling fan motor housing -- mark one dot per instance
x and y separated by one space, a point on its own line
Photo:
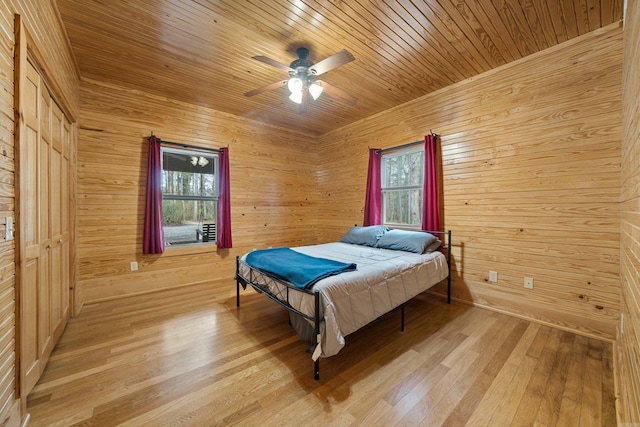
302 64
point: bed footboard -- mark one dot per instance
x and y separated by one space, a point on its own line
283 300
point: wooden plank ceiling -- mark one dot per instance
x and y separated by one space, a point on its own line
200 51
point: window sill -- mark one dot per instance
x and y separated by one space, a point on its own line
404 227
196 248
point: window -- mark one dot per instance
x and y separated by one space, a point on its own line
402 177
189 196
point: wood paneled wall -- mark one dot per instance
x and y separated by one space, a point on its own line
628 342
531 166
7 208
54 55
273 191
50 47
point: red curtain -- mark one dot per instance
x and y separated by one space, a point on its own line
430 217
153 234
373 199
224 202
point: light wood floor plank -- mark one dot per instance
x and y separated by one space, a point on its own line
591 409
480 377
608 386
183 357
552 397
513 378
528 406
572 397
490 350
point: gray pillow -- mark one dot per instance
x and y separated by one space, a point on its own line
404 240
366 236
433 246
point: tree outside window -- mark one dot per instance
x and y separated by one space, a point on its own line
189 196
402 183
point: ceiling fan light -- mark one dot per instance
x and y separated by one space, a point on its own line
296 97
315 90
194 160
295 85
203 161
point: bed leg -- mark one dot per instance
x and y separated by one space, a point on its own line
402 317
237 294
449 265
237 283
316 363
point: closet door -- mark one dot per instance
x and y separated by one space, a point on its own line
59 223
35 244
45 341
66 222
44 225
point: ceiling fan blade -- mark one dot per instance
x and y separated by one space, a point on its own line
302 108
273 63
276 85
338 93
331 62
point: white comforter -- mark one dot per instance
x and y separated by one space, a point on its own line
383 280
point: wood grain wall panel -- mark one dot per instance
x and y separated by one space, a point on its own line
54 54
531 168
8 371
51 49
628 337
273 190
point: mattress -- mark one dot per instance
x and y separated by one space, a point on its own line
383 280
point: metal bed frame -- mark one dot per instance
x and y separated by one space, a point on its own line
282 298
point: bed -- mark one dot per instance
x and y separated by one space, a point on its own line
380 269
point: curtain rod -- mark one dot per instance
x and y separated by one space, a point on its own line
408 144
180 144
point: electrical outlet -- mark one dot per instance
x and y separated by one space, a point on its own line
621 323
528 282
134 266
493 276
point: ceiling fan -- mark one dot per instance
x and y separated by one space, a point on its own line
302 80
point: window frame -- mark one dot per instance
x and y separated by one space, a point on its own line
386 189
214 198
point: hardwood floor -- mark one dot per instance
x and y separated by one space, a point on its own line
181 357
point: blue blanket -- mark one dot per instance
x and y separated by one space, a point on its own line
300 269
